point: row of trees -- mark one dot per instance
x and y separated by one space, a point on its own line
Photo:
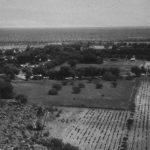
76 89
92 72
81 73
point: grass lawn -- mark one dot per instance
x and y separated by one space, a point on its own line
107 97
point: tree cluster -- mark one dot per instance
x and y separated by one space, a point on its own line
138 71
6 89
57 54
140 51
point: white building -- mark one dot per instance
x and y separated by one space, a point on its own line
97 47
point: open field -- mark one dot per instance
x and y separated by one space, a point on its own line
102 129
107 97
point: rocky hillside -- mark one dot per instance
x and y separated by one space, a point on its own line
21 128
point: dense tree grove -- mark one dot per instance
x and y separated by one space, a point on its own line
46 59
39 70
73 51
11 70
57 54
140 51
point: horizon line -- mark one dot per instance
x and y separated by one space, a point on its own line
73 27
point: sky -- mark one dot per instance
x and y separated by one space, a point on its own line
74 13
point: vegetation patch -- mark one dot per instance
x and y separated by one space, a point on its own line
56 86
76 90
64 82
81 85
21 99
114 84
115 98
52 92
99 85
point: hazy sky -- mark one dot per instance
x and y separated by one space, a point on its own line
74 13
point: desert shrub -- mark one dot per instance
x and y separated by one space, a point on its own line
39 126
43 142
76 90
46 134
50 109
56 86
64 82
98 85
40 111
69 147
58 114
52 92
29 127
108 76
56 144
16 148
129 123
125 139
114 84
21 99
81 85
